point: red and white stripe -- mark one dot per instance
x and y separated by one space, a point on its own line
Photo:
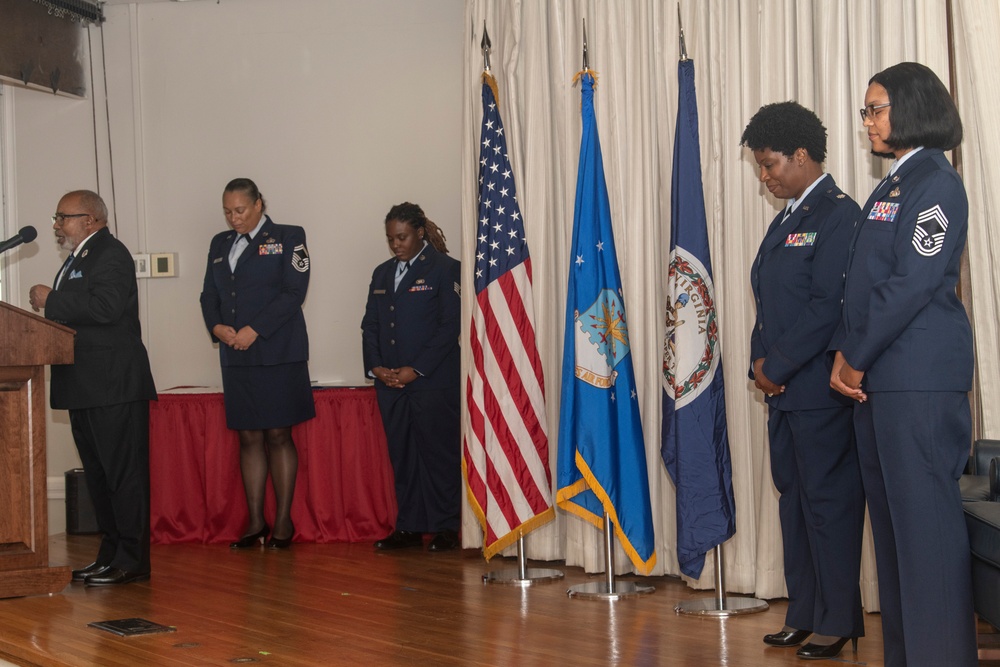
505 453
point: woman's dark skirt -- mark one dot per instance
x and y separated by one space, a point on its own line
260 397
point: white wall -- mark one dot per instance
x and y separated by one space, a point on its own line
50 142
338 109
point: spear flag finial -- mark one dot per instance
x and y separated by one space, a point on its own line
586 60
485 46
680 24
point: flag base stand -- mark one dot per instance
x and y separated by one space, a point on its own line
523 576
721 605
609 589
601 590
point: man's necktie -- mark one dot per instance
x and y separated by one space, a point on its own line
65 267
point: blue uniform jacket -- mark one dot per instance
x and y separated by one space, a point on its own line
98 297
903 323
417 325
265 291
798 286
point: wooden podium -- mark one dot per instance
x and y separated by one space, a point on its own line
27 343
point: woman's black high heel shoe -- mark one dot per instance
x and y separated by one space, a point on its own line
823 651
787 638
248 541
281 543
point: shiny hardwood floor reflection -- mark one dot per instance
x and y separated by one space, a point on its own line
345 604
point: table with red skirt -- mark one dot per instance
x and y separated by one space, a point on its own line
344 488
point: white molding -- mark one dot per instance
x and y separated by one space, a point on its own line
11 280
56 486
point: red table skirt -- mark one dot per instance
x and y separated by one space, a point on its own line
343 492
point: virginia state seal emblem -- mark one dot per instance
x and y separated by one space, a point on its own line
691 350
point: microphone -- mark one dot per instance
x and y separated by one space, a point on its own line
26 235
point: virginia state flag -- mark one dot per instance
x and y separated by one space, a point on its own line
695 443
602 459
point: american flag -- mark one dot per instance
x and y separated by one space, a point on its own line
506 451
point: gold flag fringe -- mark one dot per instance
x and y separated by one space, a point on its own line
492 83
579 74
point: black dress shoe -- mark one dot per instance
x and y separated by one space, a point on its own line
787 638
446 540
400 539
84 572
251 540
113 575
823 651
281 543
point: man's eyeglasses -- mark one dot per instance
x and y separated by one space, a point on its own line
60 218
868 113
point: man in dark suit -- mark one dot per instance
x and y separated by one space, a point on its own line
108 387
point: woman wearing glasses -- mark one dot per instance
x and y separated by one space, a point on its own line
797 282
255 283
904 353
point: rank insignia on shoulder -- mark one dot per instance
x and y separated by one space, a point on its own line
894 193
801 239
458 289
928 235
300 258
378 291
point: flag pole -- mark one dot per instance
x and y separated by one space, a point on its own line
523 575
720 606
609 589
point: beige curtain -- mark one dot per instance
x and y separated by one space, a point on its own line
746 53
977 24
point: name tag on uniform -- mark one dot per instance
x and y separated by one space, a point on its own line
884 211
217 260
269 249
421 288
800 239
378 291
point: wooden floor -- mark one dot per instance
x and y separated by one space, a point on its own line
346 604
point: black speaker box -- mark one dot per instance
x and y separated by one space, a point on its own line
80 517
